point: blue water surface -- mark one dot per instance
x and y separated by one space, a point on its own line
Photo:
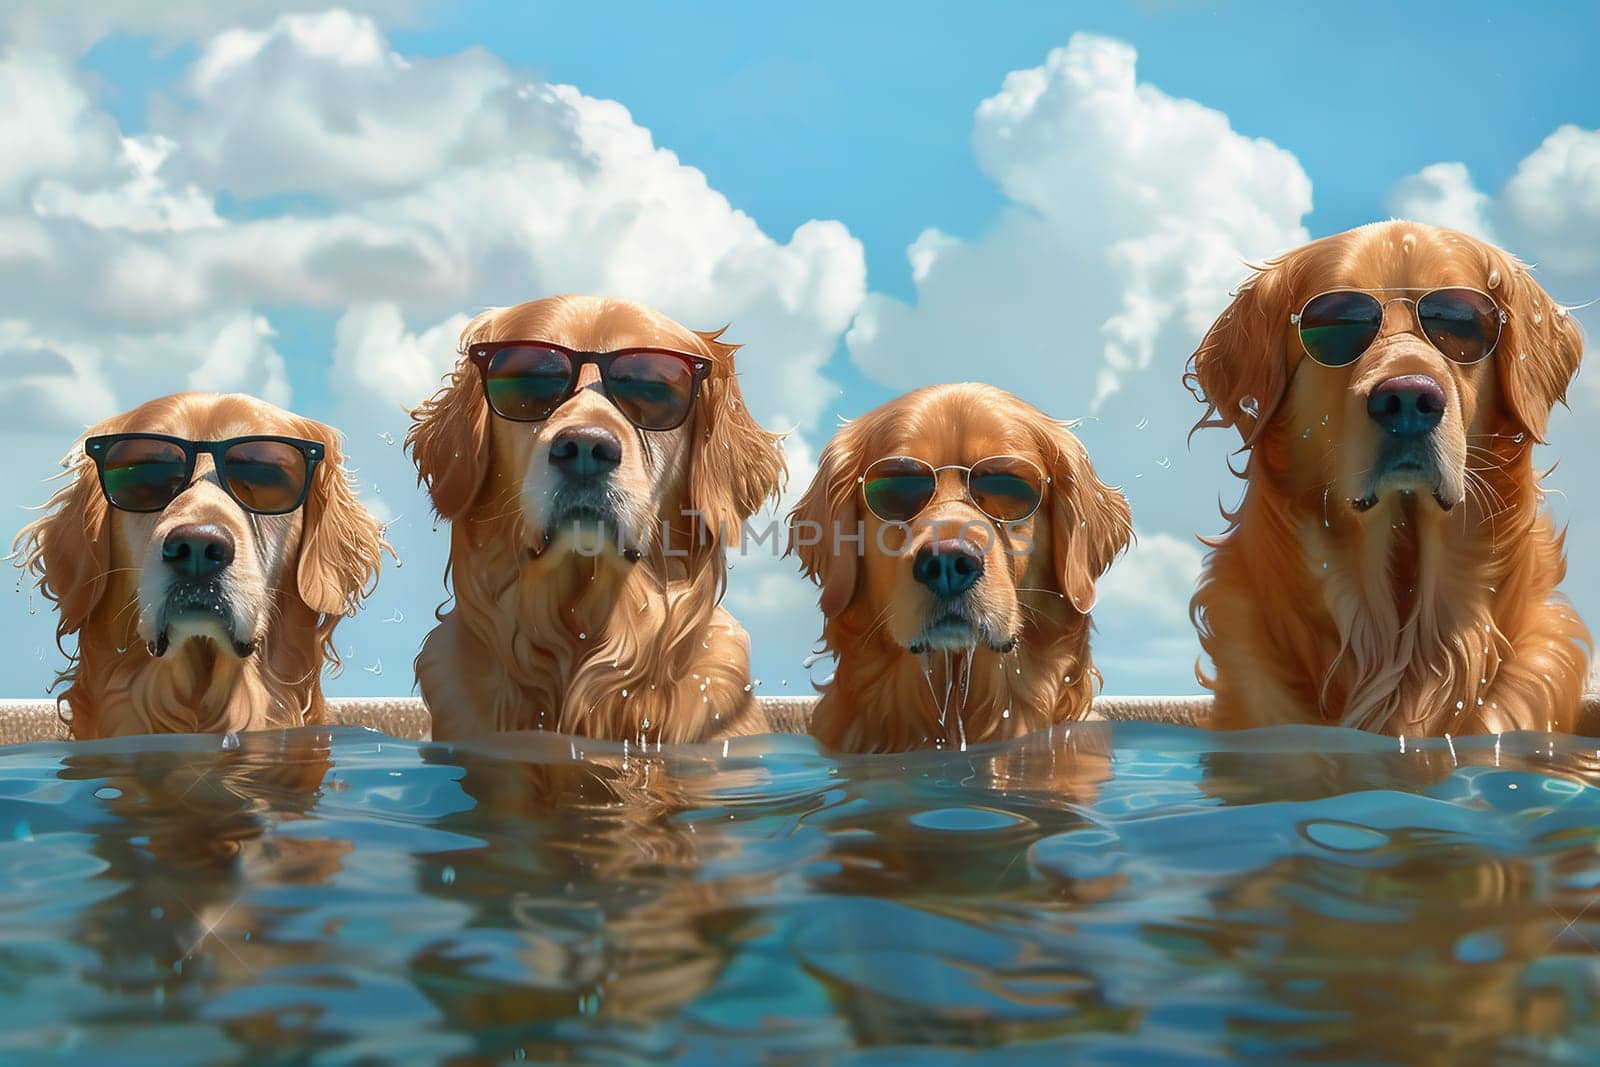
1105 894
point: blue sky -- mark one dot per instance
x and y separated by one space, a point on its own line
864 114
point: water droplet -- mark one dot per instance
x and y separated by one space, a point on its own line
1519 438
1006 714
375 669
386 437
448 875
1494 278
1141 424
1250 406
230 741
582 636
1165 463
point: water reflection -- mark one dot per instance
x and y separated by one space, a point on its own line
1103 893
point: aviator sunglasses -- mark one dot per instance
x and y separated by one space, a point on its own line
145 472
526 381
1005 488
1337 326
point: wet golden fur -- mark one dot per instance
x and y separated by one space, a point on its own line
1037 587
1408 618
293 578
542 635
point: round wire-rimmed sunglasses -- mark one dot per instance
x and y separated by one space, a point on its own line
1339 325
1005 488
526 381
263 473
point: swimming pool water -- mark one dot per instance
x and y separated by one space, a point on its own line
1110 893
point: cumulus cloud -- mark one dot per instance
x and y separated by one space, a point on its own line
1130 212
1443 194
49 112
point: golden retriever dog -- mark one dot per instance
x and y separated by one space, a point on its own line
1390 567
202 550
595 459
957 534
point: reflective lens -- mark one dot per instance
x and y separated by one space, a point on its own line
1464 324
527 383
1006 488
653 389
267 477
1337 327
897 488
144 474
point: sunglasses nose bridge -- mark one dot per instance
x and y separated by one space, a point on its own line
949 484
1401 321
588 376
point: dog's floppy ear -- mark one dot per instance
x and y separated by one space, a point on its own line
340 543
737 466
1241 369
1539 350
1090 523
69 547
827 510
449 435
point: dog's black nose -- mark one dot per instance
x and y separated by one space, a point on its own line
1408 406
585 451
949 567
197 551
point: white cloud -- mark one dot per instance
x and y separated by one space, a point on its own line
48 124
142 202
1129 214
69 27
455 185
1155 580
1443 194
1554 201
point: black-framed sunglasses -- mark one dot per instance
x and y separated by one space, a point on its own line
1005 488
526 381
1337 326
145 472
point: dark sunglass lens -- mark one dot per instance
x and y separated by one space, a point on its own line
527 383
267 477
652 389
897 489
1006 488
1462 323
1337 327
141 474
